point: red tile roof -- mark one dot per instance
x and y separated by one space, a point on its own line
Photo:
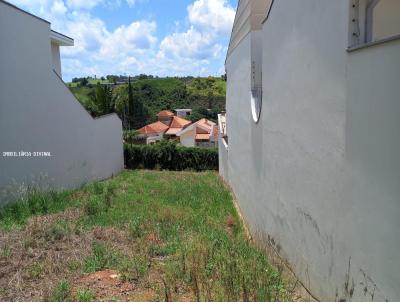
165 113
173 131
205 123
155 128
178 122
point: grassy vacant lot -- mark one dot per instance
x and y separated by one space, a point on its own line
141 236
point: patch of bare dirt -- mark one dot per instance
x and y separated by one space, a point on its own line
106 285
48 250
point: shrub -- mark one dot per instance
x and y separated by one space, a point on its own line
168 156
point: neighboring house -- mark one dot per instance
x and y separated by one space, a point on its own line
40 114
167 126
165 117
203 133
183 112
313 106
153 132
177 125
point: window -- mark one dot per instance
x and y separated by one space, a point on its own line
256 93
373 20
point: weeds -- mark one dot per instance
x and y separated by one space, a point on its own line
6 252
58 231
16 213
84 295
182 230
103 257
62 293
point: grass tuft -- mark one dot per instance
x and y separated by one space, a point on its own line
62 293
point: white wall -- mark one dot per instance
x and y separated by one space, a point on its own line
318 177
39 113
55 54
188 139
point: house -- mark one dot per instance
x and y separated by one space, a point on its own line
165 117
153 132
177 125
203 133
183 112
312 116
167 126
46 137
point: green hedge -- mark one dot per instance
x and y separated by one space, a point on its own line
166 155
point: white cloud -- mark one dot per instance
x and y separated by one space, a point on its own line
130 3
58 7
210 21
212 15
134 48
83 4
135 37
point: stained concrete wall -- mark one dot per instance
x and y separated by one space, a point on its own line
318 177
39 114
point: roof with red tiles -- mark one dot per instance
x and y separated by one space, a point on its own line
155 128
165 113
178 122
173 131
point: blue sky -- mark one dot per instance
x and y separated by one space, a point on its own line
159 37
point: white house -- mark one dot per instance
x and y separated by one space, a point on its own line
45 133
203 133
183 112
311 139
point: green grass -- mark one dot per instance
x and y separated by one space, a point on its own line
82 93
187 220
84 295
15 214
61 293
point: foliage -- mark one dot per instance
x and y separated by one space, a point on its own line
102 100
84 295
198 113
99 259
133 137
35 203
166 155
62 293
156 94
136 112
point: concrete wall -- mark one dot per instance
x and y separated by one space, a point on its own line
56 59
318 177
38 113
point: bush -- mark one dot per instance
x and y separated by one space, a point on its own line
168 156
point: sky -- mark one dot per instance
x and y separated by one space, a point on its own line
130 37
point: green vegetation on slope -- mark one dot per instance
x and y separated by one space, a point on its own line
158 94
174 236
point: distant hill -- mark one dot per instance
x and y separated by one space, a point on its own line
161 93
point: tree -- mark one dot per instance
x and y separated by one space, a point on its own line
103 100
136 110
84 82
